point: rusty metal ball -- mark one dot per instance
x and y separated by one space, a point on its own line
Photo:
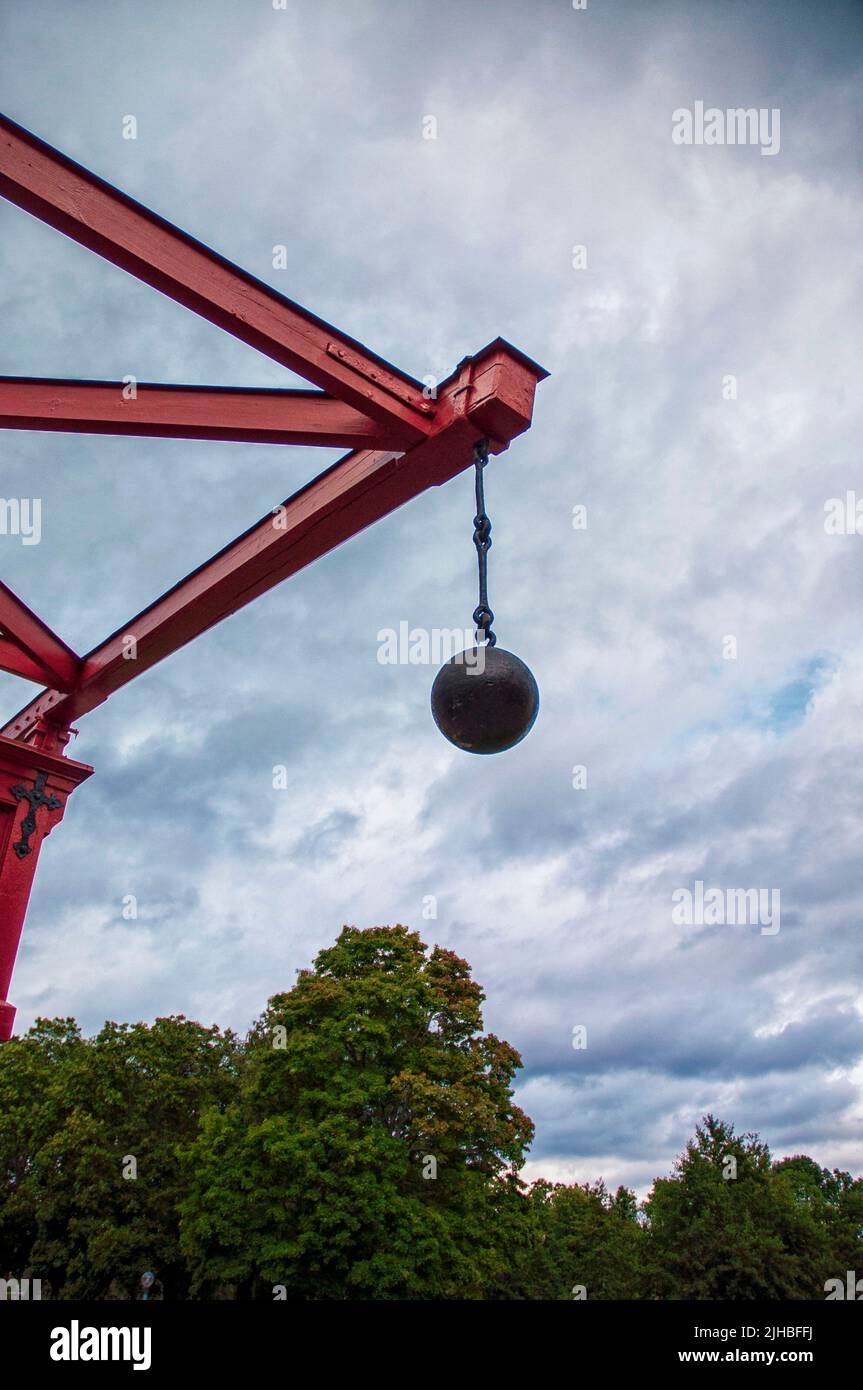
484 700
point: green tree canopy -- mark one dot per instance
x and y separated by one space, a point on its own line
77 1119
375 1138
363 1142
577 1241
732 1225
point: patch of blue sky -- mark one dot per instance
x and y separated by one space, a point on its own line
779 709
785 708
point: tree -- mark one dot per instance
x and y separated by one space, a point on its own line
833 1202
731 1225
375 1142
581 1241
88 1143
364 1143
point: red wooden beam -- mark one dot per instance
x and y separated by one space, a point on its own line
60 192
28 774
18 663
489 396
21 627
496 386
248 416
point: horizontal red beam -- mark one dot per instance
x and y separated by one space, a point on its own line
21 627
60 192
497 385
191 412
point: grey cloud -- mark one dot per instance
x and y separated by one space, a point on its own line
302 127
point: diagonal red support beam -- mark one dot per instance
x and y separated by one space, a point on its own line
243 415
21 627
496 387
489 396
18 663
60 192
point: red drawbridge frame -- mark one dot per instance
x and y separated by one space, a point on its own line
400 443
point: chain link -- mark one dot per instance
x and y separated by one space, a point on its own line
482 614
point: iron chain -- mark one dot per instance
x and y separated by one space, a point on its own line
482 615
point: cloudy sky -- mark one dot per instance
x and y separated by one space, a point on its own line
703 406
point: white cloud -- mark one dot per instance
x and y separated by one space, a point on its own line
705 519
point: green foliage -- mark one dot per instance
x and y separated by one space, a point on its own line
376 1129
748 1229
364 1143
580 1241
72 1113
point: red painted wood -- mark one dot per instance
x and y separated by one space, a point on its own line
18 663
403 445
33 637
60 192
360 489
19 765
192 412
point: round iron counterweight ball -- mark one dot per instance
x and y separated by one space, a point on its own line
484 700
